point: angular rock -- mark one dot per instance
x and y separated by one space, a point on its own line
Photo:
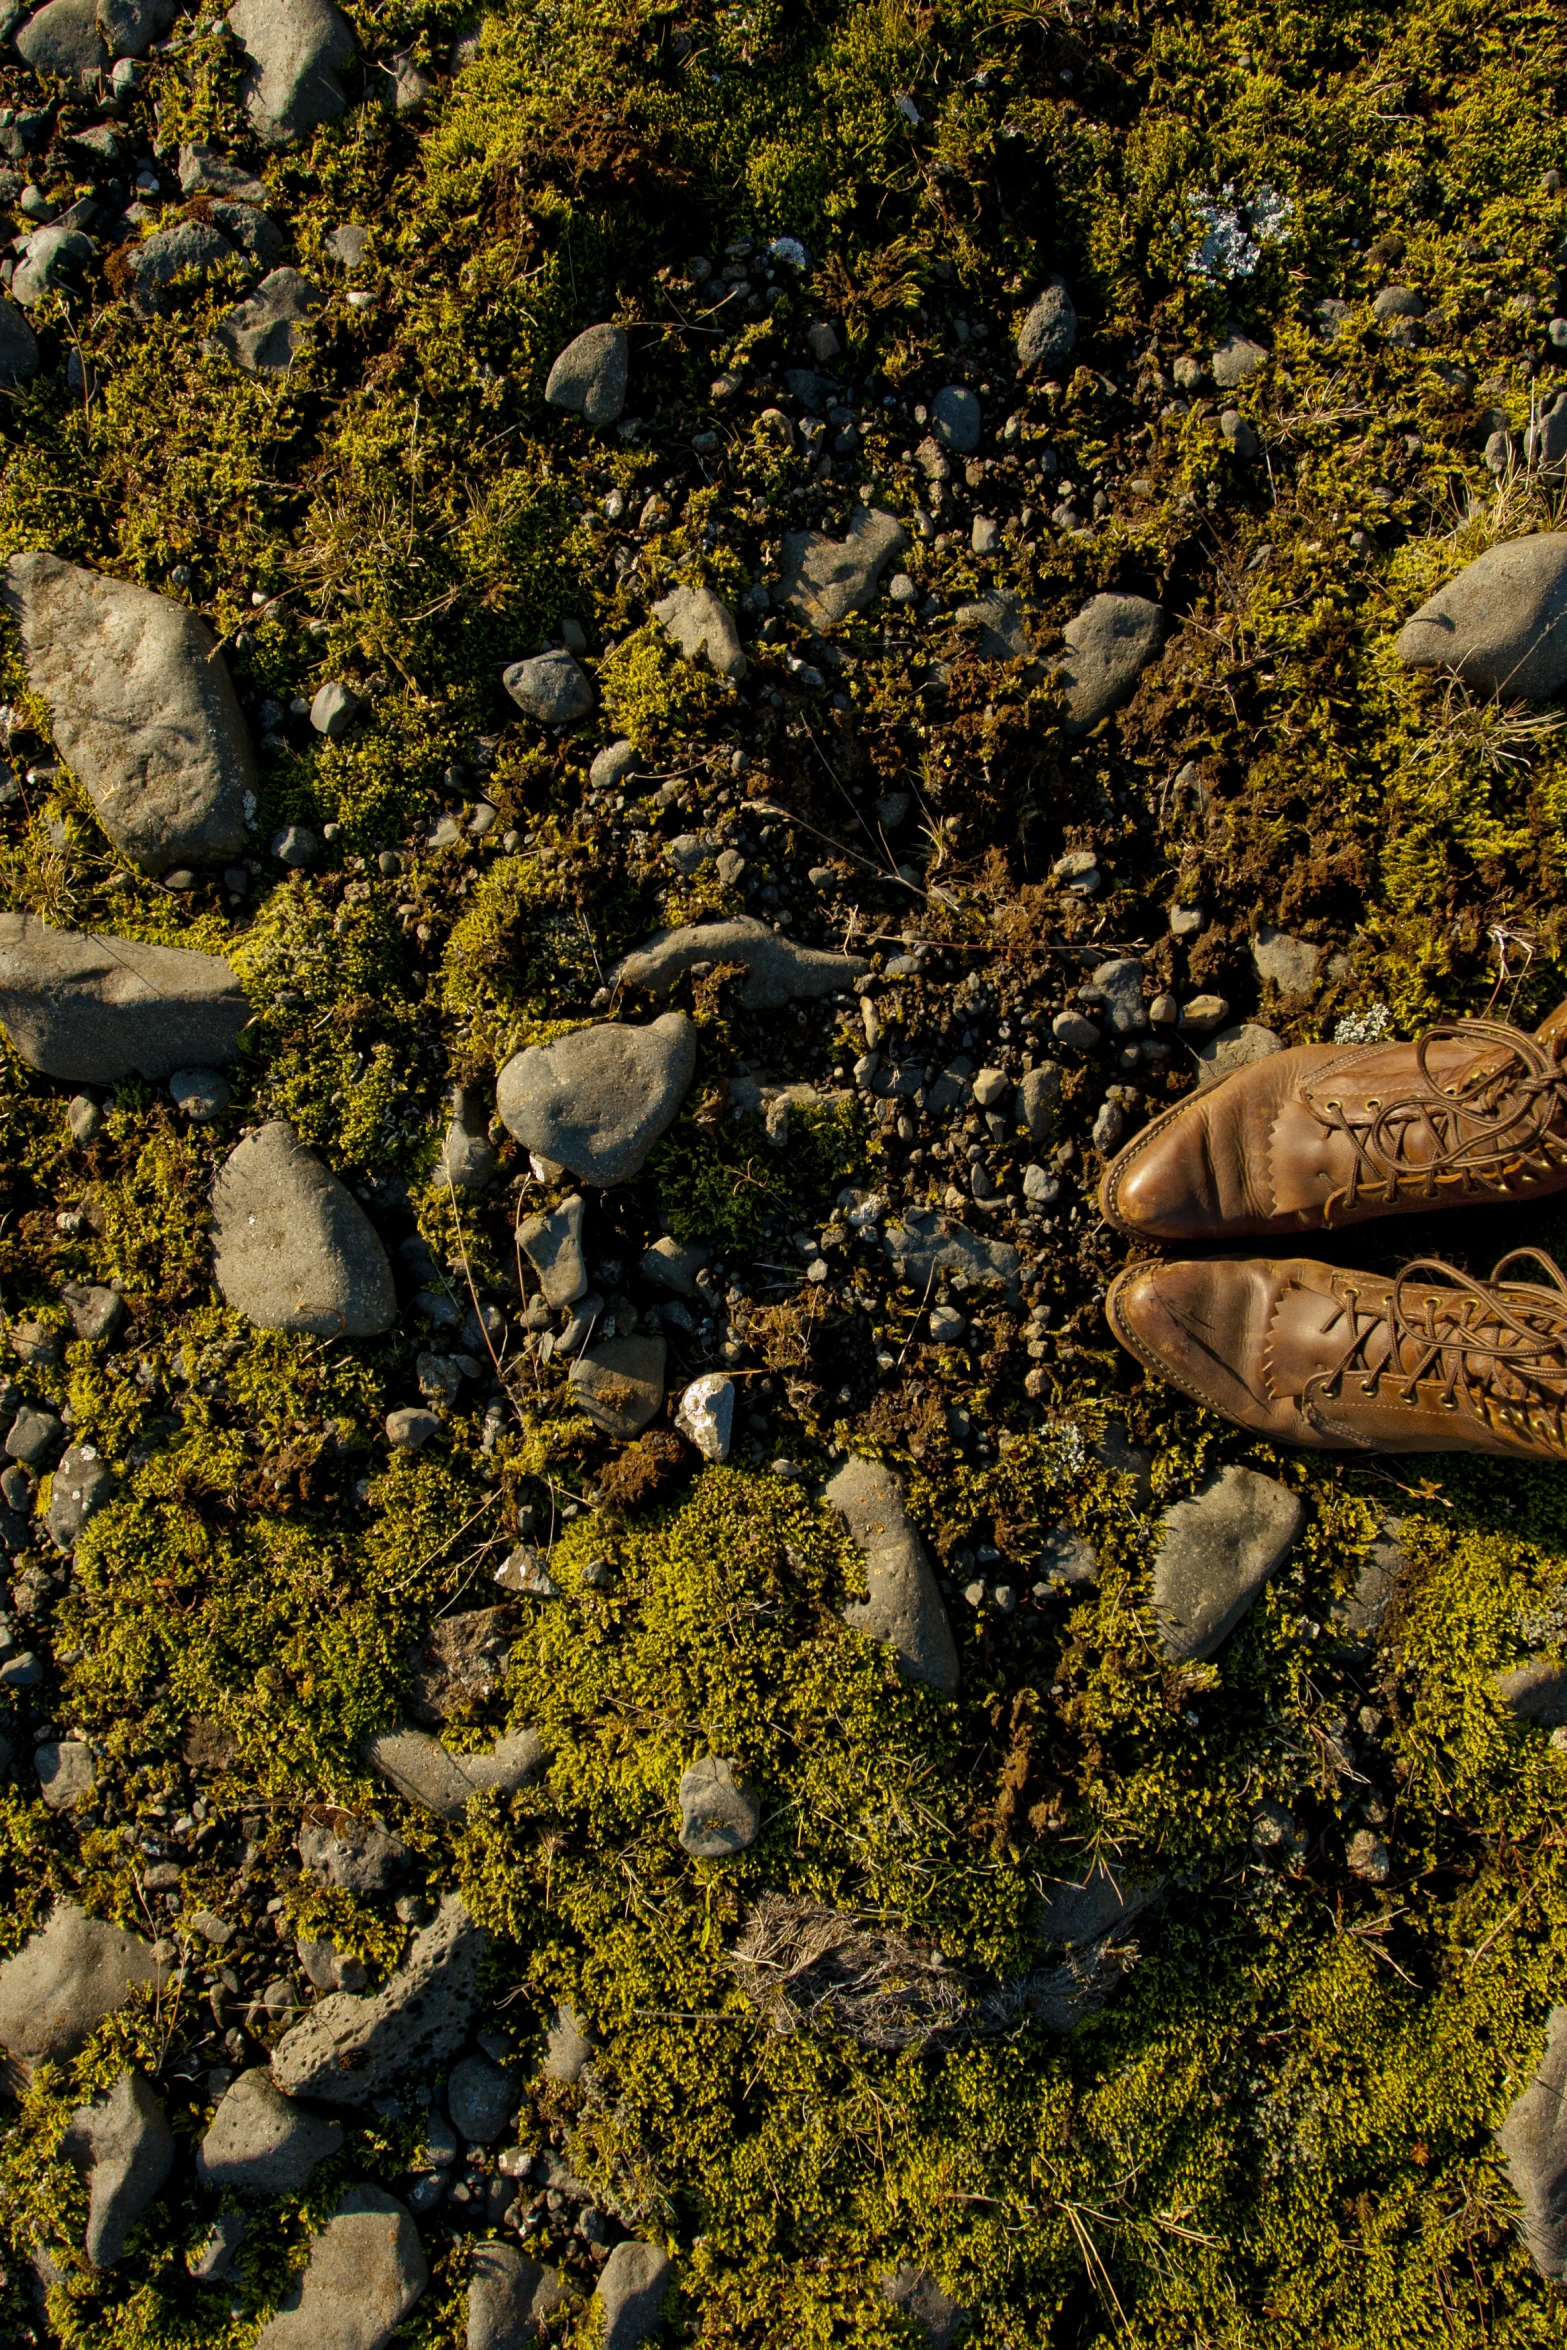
260 2143
1236 358
481 2097
1216 1551
1535 1691
927 1241
126 2148
706 1417
66 1774
589 376
297 49
131 26
358 1856
998 625
699 623
1360 1613
673 1265
620 1383
1121 984
18 346
468 1157
329 1968
719 1811
1109 644
200 1093
1501 625
333 709
567 2048
509 2298
1048 334
915 2291
265 334
409 1428
460 1663
904 1609
143 713
1533 2139
1234 1048
824 579
613 765
94 1008
207 171
94 1310
353 2047
190 249
955 419
428 1773
1100 1901
53 257
294 1251
779 970
552 1244
251 232
78 1489
365 2272
554 688
63 42
1289 964
632 2287
213 2262
597 1100
1037 1097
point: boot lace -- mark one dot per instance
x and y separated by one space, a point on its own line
1498 1348
1480 1131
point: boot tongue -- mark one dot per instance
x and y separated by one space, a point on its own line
1310 1333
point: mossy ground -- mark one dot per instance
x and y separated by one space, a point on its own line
1279 2131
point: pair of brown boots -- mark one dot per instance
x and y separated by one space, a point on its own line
1473 1114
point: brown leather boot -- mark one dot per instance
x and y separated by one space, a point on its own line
1350 1362
1328 1134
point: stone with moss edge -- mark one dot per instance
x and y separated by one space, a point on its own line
904 1608
510 2298
365 2271
620 1383
297 49
595 1101
66 1977
353 2046
293 1249
589 376
260 2143
633 2285
1501 624
91 1008
778 970
125 2148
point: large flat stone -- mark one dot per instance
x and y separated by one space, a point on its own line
365 2272
597 1100
632 2287
824 579
126 2149
91 1009
1501 625
904 1608
57 1989
1108 645
927 1242
260 2143
429 1774
509 2298
296 49
142 708
294 1250
63 42
264 333
353 2046
1216 1551
1533 2138
779 971
700 623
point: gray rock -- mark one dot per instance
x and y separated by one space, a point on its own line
1037 1097
620 1383
1238 433
1501 625
358 1856
126 2148
1121 984
329 1968
1234 1048
410 1427
66 1774
699 623
348 245
1359 1615
779 970
97 1009
1048 335
1535 1691
143 713
190 249
63 42
78 1489
333 709
84 1118
468 1157
352 2047
252 232
589 376
674 1265
213 2262
915 2291
1109 644
265 334
613 765
260 2143
1066 1557
824 579
429 1774
460 1663
32 1436
567 2048
524 1571
509 2298
206 171
297 49
904 1608
94 1311
632 2287
998 626
1289 964
597 1100
1100 1901
926 1241
18 346
200 1093
1216 1551
552 1245
296 848
52 257
706 1417
364 2274
1236 358
955 419
294 1251
1533 2140
554 688
131 26
719 1811
481 2097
